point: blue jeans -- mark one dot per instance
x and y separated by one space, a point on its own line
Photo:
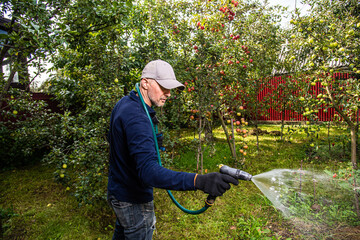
133 221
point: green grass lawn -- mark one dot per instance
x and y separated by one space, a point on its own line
34 206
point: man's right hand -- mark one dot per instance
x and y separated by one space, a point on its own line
215 184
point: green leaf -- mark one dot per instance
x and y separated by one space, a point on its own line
35 26
4 36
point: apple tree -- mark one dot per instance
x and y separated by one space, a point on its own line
324 41
328 38
263 40
94 68
214 60
100 62
32 34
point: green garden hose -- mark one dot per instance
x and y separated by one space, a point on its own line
155 131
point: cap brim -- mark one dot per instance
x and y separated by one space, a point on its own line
171 84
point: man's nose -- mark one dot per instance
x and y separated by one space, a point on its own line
167 92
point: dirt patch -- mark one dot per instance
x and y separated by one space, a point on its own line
345 233
297 229
258 131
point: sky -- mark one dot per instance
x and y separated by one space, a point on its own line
285 23
291 7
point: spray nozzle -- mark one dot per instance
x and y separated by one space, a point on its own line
235 173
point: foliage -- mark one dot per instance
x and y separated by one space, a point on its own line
34 32
113 47
26 129
217 41
80 151
223 51
329 35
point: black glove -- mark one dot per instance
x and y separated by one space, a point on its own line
214 183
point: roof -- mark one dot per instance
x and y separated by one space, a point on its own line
300 61
4 23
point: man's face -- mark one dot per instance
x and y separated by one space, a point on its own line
157 94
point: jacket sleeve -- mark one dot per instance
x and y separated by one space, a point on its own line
142 150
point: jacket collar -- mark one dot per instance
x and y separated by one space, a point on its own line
135 97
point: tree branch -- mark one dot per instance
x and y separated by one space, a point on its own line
6 86
337 108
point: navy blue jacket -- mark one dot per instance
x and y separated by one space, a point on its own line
134 168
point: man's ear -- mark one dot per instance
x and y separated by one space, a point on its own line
144 83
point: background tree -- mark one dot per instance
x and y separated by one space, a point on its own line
33 34
263 46
95 67
325 39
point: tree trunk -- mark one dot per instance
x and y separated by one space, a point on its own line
352 125
233 141
357 132
256 127
356 197
282 122
209 137
328 135
225 131
199 153
353 131
6 87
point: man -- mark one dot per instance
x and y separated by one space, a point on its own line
134 169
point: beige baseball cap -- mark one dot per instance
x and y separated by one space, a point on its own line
163 73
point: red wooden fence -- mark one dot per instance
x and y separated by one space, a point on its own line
49 99
273 115
52 104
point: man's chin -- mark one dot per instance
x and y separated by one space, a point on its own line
160 104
